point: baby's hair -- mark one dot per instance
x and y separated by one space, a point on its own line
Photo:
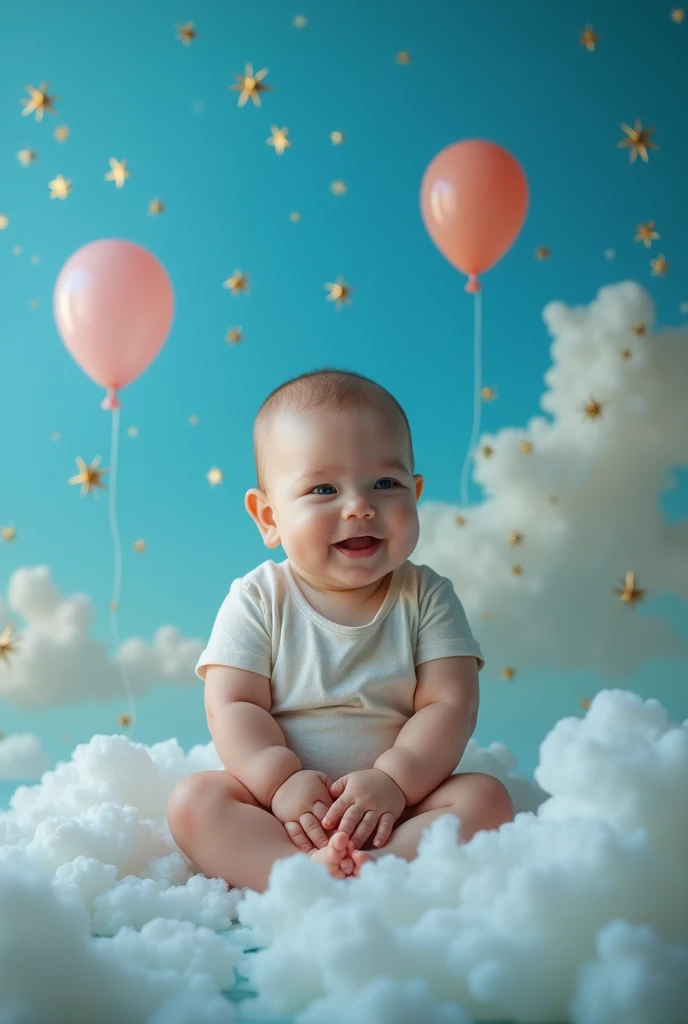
340 390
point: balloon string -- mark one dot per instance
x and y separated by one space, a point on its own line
477 386
114 603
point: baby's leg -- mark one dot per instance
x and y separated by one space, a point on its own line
223 829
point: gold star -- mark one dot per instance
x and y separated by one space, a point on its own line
64 737
294 216
124 720
589 39
27 156
234 335
155 207
336 138
35 259
279 139
488 394
193 421
89 476
461 521
526 447
33 303
118 172
38 101
585 703
659 266
486 451
592 410
237 283
516 570
16 249
300 21
543 253
61 133
250 85
338 188
214 476
486 616
4 221
515 538
113 606
55 436
639 330
638 140
8 533
629 593
553 499
646 233
626 354
7 645
403 57
508 672
60 187
186 32
139 545
340 292
678 14
133 431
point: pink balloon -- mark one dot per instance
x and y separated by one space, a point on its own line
113 305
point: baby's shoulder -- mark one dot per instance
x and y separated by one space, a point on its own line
421 579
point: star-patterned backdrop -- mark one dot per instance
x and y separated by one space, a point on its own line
271 157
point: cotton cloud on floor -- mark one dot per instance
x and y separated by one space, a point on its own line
23 756
607 475
58 662
577 911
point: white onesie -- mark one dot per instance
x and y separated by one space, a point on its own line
340 694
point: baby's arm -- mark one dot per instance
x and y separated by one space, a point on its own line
247 738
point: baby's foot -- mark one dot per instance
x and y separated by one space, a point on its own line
339 856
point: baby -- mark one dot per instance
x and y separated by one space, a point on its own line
341 684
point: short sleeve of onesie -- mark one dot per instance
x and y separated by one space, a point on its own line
239 637
443 629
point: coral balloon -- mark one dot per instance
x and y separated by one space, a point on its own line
113 305
474 199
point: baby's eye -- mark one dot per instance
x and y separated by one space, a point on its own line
314 489
387 479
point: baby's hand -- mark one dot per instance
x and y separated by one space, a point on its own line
300 803
366 800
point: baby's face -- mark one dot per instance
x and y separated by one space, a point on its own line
332 476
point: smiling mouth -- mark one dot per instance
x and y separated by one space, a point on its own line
359 546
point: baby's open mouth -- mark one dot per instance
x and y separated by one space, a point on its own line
359 545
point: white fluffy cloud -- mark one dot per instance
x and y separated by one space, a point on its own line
22 756
607 475
57 662
576 911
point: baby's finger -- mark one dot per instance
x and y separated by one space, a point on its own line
384 829
365 829
298 836
314 830
331 819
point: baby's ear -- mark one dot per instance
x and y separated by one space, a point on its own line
257 506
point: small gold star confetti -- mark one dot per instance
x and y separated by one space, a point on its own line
338 188
139 545
7 645
589 39
124 720
300 21
488 394
638 140
155 207
626 354
526 447
234 335
113 606
186 32
61 133
678 14
461 521
486 451
35 259
659 266
646 233
17 250
250 85
336 138
214 476
33 303
403 57
64 737
508 672
629 593
486 616
38 101
4 221
683 308
543 253
55 436
193 421
294 216
639 330
26 157
340 292
592 410
118 172
89 476
60 187
553 499
515 538
609 254
516 570
279 139
585 703
133 431
237 283
8 533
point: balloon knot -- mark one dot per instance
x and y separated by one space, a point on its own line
111 400
472 285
